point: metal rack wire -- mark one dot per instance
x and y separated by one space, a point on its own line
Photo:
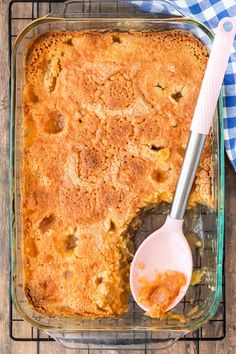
20 13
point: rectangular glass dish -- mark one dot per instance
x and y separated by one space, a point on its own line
202 299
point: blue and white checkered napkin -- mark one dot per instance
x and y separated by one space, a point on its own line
210 12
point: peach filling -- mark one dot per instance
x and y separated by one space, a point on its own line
159 294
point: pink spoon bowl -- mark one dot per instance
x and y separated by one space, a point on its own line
175 255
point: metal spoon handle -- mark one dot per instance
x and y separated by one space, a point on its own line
187 175
204 112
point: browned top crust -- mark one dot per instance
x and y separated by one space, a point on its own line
106 122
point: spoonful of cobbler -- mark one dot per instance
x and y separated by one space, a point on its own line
162 266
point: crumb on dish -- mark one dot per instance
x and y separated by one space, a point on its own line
197 276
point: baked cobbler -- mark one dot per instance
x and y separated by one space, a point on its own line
106 123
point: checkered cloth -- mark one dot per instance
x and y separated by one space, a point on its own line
210 12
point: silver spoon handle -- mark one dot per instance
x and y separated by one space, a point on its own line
187 174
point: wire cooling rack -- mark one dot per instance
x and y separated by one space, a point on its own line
20 13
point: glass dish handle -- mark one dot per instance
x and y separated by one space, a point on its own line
116 8
69 9
116 339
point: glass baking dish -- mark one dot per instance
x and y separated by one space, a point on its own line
132 329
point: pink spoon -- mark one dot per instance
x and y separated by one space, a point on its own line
167 249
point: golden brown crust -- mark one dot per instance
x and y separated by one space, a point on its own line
106 123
